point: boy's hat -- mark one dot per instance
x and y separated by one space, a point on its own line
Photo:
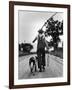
40 31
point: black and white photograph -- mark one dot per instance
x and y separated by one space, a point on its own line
41 44
40 38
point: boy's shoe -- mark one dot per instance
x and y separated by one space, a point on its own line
40 70
43 68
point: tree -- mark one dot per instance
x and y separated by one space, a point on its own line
27 47
19 47
54 28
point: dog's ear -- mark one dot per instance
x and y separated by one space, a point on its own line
36 57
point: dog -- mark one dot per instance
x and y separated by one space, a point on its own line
33 64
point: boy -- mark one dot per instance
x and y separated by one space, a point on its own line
41 44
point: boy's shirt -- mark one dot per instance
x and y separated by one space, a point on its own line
41 41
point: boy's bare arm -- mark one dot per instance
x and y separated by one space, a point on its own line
46 44
34 40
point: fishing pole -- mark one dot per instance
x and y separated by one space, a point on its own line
48 20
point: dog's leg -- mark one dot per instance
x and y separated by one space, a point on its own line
31 69
35 68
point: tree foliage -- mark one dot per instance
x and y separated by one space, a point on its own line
54 28
26 47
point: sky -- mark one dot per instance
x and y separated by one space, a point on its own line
29 22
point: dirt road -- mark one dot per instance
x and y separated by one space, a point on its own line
54 67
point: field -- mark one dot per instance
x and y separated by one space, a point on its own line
54 67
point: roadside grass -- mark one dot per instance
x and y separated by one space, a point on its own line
58 52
